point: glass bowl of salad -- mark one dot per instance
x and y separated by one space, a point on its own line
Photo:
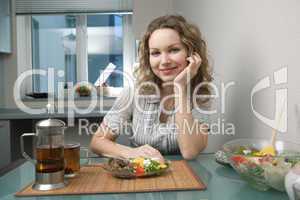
136 167
262 170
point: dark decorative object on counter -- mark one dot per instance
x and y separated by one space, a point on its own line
38 95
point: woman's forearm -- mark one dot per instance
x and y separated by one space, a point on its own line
192 135
104 145
190 139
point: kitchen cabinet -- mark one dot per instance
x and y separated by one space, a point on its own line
5 26
5 153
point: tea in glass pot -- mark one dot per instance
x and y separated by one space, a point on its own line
49 154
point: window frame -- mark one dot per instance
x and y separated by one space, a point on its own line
24 41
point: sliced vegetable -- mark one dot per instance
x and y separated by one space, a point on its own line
268 150
238 159
139 171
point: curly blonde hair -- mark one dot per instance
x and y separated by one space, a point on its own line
192 40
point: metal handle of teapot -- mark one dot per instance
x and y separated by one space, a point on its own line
24 154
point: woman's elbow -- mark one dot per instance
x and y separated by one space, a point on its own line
192 154
96 143
189 155
93 144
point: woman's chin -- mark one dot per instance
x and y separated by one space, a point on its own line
166 78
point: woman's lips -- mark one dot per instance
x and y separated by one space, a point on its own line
168 71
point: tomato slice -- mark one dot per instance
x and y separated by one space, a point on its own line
238 159
139 171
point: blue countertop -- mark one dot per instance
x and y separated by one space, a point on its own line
222 184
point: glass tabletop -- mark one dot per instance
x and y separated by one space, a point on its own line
222 183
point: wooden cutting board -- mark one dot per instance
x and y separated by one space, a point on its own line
93 179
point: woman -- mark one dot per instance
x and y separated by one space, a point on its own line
173 62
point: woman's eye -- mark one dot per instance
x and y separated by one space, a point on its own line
154 53
174 50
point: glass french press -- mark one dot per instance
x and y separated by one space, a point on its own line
48 153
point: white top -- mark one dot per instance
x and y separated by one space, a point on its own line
139 120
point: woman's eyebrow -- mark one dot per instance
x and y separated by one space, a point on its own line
174 44
171 45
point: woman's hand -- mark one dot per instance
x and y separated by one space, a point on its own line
184 77
145 151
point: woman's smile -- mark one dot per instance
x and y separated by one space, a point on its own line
168 71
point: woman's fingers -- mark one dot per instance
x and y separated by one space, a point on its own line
191 60
155 153
152 152
196 64
195 59
198 59
145 151
149 150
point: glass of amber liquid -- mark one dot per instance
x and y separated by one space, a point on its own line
72 152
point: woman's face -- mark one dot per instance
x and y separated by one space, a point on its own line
167 54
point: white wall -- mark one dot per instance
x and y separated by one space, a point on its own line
247 41
144 11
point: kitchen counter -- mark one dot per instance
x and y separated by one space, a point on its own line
222 184
15 113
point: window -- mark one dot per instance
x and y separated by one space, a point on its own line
105 45
81 46
53 45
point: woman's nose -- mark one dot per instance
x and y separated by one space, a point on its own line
165 59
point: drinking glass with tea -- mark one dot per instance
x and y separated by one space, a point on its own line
72 152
